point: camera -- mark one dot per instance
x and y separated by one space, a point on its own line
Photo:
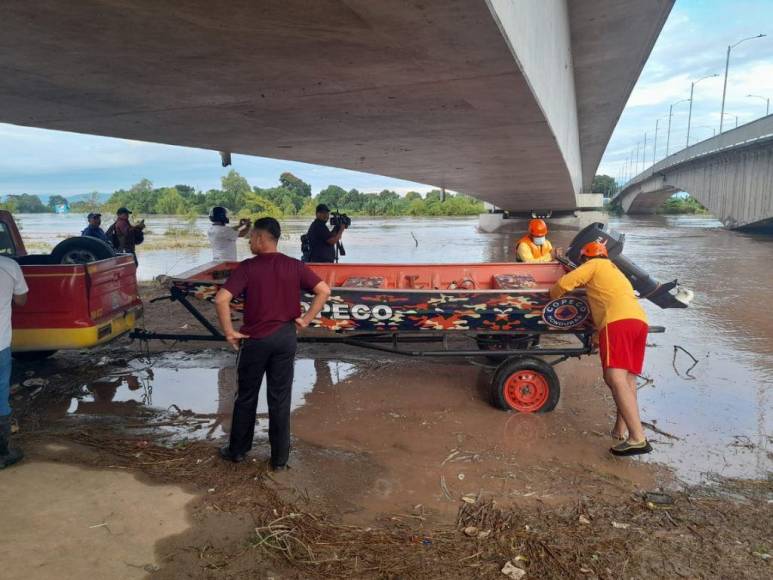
340 219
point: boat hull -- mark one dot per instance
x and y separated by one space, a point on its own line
391 308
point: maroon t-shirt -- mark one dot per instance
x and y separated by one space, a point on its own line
272 285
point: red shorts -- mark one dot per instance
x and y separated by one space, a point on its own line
622 344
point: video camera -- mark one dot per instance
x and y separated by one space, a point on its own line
340 219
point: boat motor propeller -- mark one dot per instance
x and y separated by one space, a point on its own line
644 284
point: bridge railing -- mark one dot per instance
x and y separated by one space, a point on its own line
759 130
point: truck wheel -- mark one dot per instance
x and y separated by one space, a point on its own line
81 250
526 385
32 355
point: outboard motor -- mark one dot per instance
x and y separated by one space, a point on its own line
646 286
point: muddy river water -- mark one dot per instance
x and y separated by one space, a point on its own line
719 412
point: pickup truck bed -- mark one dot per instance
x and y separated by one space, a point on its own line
70 306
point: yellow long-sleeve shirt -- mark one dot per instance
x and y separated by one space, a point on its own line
528 252
609 292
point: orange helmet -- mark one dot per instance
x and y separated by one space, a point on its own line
538 228
594 250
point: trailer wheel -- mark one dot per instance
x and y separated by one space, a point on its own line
526 385
32 355
81 250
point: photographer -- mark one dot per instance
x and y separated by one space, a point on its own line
325 244
222 237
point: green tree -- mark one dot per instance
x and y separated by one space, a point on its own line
170 202
603 184
57 201
412 195
235 189
332 196
295 184
256 206
26 203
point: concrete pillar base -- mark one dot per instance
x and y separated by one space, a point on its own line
500 223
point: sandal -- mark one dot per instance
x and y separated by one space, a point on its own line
626 448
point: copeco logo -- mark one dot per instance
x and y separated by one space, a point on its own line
565 312
339 311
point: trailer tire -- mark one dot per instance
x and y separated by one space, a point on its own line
526 385
81 250
32 355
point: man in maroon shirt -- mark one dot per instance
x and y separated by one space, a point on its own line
271 283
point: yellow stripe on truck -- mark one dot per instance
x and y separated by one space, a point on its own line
32 339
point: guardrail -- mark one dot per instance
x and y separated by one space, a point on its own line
748 134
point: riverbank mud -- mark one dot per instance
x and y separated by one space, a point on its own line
400 468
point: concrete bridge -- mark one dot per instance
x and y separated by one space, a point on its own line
510 101
730 174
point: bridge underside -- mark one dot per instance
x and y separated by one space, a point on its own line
453 93
735 186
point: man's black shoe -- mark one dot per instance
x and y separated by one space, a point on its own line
284 467
225 453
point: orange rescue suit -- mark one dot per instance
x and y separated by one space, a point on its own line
527 251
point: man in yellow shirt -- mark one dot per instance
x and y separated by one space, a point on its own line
622 328
534 247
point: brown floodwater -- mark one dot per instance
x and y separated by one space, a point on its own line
403 418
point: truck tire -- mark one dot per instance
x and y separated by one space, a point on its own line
81 250
525 384
32 355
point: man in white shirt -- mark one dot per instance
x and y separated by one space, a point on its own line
13 290
222 237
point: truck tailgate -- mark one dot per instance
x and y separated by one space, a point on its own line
112 287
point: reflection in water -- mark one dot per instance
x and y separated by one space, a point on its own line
205 394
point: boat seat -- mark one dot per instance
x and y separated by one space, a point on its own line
514 281
364 282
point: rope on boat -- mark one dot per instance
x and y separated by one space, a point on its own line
687 374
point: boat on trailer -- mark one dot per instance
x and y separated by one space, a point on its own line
500 311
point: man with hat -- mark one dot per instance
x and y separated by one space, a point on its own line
322 240
94 229
622 327
123 235
222 237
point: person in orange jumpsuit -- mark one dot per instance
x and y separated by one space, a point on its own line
534 247
622 327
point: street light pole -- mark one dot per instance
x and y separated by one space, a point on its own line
767 102
727 65
655 142
670 113
689 115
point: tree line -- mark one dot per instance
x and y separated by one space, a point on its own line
291 197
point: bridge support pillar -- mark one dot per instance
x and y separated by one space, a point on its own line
589 210
517 222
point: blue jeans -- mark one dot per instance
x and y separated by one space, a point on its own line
5 381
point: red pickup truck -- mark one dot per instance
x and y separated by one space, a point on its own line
81 295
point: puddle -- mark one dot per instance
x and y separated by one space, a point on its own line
184 387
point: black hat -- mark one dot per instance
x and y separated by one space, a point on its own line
322 208
122 210
93 215
219 214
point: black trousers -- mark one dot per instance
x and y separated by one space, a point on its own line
274 356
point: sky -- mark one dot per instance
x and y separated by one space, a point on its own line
692 45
